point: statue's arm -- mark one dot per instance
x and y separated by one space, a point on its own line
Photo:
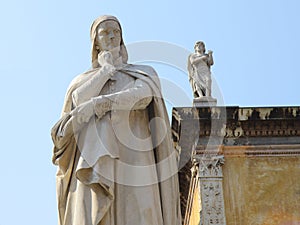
63 136
137 97
69 125
64 130
91 87
194 59
210 58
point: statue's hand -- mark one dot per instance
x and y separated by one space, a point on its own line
106 63
101 106
105 57
108 69
84 112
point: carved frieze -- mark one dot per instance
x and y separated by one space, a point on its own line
211 190
213 212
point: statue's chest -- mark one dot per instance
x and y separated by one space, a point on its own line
118 82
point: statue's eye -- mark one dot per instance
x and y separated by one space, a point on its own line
102 33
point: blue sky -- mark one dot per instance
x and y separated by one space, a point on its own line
44 44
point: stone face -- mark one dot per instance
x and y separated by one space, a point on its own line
261 148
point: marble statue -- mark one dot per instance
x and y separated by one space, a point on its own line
199 64
112 145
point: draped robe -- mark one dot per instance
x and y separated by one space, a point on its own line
120 169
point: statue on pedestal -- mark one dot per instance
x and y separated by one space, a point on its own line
112 144
199 64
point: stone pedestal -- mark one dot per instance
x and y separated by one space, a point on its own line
205 101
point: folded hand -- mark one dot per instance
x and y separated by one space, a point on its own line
84 112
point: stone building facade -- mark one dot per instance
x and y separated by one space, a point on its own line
239 166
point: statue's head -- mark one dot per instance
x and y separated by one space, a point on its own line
199 46
106 35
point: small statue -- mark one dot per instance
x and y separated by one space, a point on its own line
199 71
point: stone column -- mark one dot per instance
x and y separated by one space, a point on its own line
211 190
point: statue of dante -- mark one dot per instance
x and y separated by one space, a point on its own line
199 71
112 145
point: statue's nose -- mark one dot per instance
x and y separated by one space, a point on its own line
111 34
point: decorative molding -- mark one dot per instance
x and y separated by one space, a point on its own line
251 128
251 151
236 122
210 166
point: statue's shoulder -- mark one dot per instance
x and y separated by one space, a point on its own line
81 78
142 68
193 55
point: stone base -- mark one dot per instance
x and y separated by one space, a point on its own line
205 101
